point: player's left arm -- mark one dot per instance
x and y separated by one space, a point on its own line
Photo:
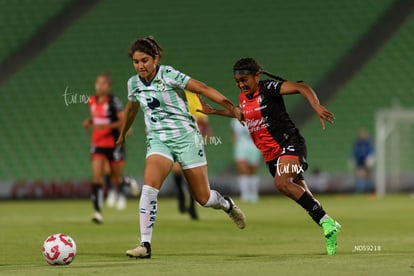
115 125
306 91
201 88
131 111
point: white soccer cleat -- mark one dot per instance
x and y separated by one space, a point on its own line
111 198
97 218
236 214
121 203
133 184
143 251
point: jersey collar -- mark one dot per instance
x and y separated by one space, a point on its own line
148 83
255 94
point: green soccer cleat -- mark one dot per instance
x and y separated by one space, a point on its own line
331 229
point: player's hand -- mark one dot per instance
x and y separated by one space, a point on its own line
238 114
205 108
324 115
121 140
87 123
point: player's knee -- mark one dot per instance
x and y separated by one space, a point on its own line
116 180
98 179
201 199
282 184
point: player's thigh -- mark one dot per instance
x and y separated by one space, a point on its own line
117 170
252 169
197 179
243 167
157 168
107 167
98 165
176 168
287 170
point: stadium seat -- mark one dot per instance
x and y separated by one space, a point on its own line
21 19
381 83
44 138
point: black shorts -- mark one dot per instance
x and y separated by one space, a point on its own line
113 155
294 147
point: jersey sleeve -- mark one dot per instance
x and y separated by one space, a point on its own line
194 103
132 90
117 105
273 87
175 78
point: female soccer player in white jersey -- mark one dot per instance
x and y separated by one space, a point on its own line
171 135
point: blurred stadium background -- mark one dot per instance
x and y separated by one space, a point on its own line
356 54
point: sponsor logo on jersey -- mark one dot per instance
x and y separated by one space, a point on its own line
257 124
153 103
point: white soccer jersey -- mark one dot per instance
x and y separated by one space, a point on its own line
164 103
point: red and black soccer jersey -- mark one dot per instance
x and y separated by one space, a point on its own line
104 112
266 118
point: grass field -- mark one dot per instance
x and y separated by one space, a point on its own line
280 239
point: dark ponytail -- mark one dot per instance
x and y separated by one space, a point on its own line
146 45
250 66
272 76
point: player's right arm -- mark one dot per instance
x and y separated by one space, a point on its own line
208 110
131 112
215 96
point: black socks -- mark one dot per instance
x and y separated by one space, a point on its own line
121 187
313 207
97 196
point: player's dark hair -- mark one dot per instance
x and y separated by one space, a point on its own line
146 45
107 76
250 66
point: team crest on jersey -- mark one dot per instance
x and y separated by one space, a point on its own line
160 85
243 104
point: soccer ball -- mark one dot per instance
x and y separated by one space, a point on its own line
59 249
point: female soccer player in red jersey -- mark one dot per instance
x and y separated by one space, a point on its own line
106 117
276 136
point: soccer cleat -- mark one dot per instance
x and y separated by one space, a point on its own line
121 202
143 251
97 218
236 214
331 229
111 198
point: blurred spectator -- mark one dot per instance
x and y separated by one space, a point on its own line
363 160
318 181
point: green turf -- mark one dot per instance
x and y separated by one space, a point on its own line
279 240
